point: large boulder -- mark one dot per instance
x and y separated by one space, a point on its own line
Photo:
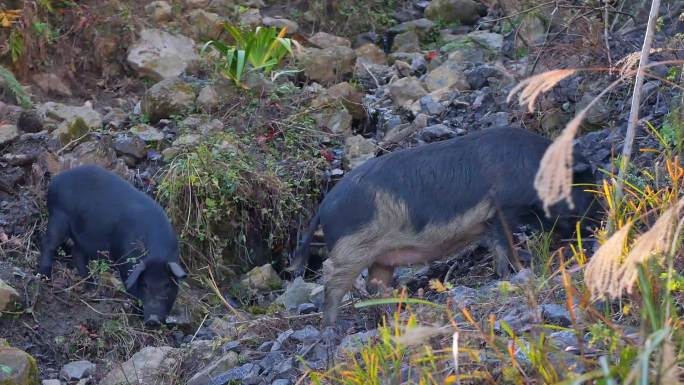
8 296
406 42
262 278
150 366
72 122
8 133
292 26
449 74
405 91
299 292
463 11
223 364
21 367
345 95
99 152
205 25
329 65
161 55
326 40
370 53
357 150
168 97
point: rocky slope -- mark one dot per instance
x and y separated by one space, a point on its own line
439 69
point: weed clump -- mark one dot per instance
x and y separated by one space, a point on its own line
237 204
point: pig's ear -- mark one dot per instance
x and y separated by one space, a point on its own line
135 275
177 271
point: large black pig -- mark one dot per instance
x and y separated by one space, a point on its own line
104 215
425 203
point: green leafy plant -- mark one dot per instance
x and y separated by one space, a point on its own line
15 88
261 49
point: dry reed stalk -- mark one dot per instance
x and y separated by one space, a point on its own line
606 276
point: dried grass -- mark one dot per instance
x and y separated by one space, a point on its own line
606 276
602 270
533 86
655 241
628 63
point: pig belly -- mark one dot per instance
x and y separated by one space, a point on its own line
404 257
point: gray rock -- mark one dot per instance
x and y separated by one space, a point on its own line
8 296
297 292
151 365
130 145
8 133
421 26
262 278
251 18
326 40
292 26
306 308
307 334
77 370
23 367
246 373
353 342
211 127
115 118
429 106
29 121
406 42
208 99
281 382
99 152
223 327
187 140
161 55
223 364
556 314
464 11
520 319
167 98
371 53
160 11
72 121
563 339
147 133
489 40
522 277
285 368
271 360
405 91
205 25
463 296
358 150
436 132
51 382
448 75
329 65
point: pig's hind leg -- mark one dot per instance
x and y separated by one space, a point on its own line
56 233
348 264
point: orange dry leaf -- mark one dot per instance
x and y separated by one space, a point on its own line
7 18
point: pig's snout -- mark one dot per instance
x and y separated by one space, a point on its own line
153 321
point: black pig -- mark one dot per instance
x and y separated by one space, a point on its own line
425 203
104 214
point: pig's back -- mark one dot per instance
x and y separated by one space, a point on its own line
440 180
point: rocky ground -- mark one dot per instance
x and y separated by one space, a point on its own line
131 93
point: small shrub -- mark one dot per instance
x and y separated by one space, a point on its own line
259 50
